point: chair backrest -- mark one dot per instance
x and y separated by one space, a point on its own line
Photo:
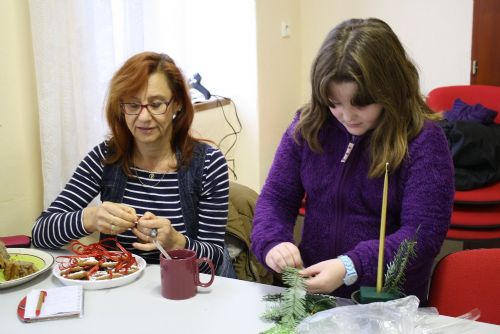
442 98
467 279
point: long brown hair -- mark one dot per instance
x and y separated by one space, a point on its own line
368 53
130 79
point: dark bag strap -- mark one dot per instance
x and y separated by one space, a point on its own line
190 184
114 181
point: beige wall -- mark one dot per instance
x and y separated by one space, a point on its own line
20 174
436 34
213 125
278 63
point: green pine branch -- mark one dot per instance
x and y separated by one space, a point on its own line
294 298
280 329
395 275
294 304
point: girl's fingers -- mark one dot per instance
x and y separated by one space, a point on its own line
284 255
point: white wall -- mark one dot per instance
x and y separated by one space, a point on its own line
224 48
436 34
263 80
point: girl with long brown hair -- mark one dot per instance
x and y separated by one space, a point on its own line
366 110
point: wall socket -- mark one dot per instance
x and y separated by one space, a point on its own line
285 29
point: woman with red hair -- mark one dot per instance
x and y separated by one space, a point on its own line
151 174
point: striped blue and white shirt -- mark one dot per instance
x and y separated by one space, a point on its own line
63 222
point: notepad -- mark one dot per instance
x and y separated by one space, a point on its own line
58 302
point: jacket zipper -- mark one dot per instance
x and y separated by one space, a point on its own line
348 151
339 185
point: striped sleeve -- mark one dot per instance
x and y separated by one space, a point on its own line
63 221
212 210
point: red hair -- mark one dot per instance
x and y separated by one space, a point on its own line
130 79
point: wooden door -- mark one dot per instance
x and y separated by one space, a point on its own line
485 63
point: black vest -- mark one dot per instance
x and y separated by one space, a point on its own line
114 181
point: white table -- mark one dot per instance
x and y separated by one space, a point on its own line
228 306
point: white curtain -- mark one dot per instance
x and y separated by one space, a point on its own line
73 62
79 44
75 51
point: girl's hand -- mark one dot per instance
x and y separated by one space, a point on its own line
324 277
109 218
283 255
167 236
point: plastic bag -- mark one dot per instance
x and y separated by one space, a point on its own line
396 316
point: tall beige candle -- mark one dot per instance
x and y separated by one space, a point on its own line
380 269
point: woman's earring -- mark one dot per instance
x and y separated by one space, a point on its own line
175 114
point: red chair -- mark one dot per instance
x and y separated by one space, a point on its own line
442 98
465 280
476 215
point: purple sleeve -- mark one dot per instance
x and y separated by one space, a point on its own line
278 204
427 202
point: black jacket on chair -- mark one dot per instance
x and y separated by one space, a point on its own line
475 148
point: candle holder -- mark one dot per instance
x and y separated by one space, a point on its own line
394 277
369 294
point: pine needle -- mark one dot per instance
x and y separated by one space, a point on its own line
395 275
280 329
294 304
294 298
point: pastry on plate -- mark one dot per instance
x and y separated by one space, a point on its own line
4 255
14 269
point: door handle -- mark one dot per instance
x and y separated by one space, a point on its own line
474 67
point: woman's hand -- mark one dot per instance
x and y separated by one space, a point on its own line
324 277
283 255
167 236
109 218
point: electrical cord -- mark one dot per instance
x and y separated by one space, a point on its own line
233 134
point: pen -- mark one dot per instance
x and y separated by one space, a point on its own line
41 299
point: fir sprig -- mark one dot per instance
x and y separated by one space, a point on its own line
395 275
280 329
290 307
294 304
317 302
294 298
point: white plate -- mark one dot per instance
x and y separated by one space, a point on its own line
42 260
104 284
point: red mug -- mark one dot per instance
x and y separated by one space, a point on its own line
180 276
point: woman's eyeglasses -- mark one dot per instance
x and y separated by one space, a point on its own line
155 108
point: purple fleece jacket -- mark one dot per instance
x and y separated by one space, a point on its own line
343 205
